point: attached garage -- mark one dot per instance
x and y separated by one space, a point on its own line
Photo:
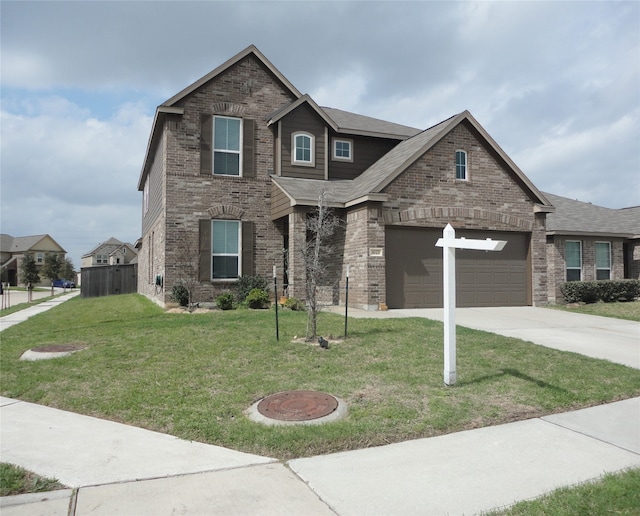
414 269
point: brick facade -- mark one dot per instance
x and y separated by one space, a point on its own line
556 269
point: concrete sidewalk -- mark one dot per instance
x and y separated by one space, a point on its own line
117 469
22 315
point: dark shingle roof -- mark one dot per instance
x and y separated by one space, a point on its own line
577 217
109 246
352 123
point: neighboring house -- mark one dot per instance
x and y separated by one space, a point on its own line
237 160
111 252
12 249
587 242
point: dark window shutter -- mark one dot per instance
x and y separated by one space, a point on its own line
204 250
248 154
206 142
247 249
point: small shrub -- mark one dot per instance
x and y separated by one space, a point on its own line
294 304
180 294
257 298
608 291
247 283
225 301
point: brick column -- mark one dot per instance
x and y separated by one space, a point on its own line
364 252
297 236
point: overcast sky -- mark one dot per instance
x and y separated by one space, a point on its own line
556 84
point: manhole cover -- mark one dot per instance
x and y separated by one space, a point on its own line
51 351
57 348
297 405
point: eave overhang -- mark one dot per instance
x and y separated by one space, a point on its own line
156 128
592 234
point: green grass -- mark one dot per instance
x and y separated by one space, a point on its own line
614 494
15 480
629 311
194 375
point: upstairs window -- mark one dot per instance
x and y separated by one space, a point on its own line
461 165
227 145
603 260
102 258
226 246
343 150
303 151
573 260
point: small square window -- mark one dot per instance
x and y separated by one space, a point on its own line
343 150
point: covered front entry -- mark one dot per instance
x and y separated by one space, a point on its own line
414 270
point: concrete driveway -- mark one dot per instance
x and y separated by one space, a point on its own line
611 339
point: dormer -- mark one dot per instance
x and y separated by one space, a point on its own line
302 140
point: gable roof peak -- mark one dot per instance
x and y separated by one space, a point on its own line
250 50
304 99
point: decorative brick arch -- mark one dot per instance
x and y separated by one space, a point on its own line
228 108
456 213
225 211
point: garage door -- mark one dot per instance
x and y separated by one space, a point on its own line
414 270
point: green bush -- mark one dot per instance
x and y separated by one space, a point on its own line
257 298
248 283
225 301
608 291
180 294
294 304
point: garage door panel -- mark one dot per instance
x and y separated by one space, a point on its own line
414 270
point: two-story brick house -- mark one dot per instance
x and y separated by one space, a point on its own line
236 161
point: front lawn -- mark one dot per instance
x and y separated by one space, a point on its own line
15 480
193 375
629 311
614 493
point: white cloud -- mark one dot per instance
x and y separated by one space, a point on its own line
348 89
586 162
70 174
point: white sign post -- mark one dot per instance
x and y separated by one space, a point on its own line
449 244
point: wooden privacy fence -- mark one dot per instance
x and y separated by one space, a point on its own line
109 280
